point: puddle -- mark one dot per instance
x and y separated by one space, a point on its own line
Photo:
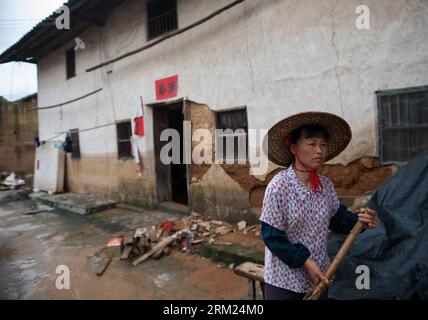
23 227
5 213
95 260
23 264
30 279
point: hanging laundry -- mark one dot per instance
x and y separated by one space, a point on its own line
68 146
136 154
139 119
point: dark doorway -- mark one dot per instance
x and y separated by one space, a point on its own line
171 178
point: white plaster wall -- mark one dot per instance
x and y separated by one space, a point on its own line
277 57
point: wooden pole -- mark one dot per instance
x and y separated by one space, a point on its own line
167 36
316 293
158 247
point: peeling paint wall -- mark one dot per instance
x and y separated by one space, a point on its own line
230 192
18 128
220 197
276 57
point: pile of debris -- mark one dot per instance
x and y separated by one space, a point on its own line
10 181
187 234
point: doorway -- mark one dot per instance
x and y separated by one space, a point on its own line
171 178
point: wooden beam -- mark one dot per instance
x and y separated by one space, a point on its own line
67 102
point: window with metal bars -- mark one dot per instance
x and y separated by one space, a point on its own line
70 63
232 136
124 133
74 135
161 17
403 123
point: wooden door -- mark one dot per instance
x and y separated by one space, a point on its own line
163 172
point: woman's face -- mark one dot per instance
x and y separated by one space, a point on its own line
310 152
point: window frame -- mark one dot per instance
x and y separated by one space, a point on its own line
219 126
121 140
75 154
153 35
381 94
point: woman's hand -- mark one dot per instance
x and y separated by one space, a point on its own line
315 272
369 217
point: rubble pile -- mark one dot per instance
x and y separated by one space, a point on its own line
187 234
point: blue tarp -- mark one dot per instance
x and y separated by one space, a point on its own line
396 252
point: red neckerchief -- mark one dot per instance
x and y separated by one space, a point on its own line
316 185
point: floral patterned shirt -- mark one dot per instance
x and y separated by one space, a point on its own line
304 216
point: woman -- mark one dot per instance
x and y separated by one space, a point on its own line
300 205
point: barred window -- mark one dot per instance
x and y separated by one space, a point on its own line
161 17
74 135
232 136
124 133
403 123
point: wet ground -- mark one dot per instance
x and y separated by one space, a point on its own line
33 246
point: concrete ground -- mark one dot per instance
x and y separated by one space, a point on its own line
32 246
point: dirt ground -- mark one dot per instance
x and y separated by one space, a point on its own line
33 246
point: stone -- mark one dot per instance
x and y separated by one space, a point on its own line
205 225
195 214
241 225
223 230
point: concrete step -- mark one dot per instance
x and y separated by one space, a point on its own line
174 207
74 202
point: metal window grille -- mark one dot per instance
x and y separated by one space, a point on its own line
403 123
70 63
161 17
75 143
234 124
124 133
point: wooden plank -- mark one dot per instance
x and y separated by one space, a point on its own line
126 252
35 211
251 270
158 247
104 267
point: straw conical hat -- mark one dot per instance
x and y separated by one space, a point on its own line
339 130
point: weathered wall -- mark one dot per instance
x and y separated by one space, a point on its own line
230 192
18 128
108 177
276 57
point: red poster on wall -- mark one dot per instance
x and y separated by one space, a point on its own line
166 88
